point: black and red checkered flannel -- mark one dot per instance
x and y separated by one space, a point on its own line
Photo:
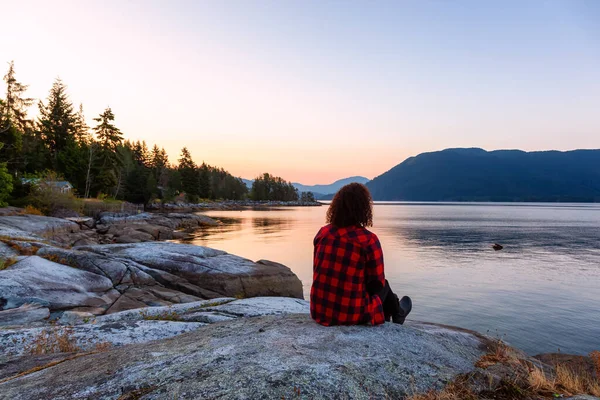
344 260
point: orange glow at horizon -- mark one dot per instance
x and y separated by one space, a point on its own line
315 92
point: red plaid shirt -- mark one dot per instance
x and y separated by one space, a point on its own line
344 260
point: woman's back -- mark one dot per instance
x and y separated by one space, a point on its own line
345 259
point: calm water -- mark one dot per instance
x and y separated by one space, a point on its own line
541 293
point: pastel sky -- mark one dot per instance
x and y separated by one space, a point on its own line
315 91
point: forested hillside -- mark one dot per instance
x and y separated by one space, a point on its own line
503 175
97 161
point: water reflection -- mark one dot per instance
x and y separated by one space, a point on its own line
267 226
541 290
222 231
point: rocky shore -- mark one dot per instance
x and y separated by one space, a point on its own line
99 309
106 229
256 348
229 205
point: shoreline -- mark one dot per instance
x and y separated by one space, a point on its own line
137 296
228 205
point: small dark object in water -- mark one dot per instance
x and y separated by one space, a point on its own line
497 247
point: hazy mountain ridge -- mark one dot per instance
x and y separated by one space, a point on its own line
321 190
473 174
331 188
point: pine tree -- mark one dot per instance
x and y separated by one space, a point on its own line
57 122
268 187
189 176
141 154
109 159
6 183
74 158
36 156
159 164
145 154
81 128
86 147
12 140
15 105
204 182
13 120
108 135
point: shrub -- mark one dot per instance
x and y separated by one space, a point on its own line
48 200
31 210
6 183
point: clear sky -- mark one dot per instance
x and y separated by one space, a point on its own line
319 90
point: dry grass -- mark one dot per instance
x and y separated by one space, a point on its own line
56 259
54 340
499 352
102 346
137 393
31 210
595 356
42 367
564 381
163 316
25 250
523 380
7 262
457 390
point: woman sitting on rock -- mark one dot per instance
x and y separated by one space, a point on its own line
349 285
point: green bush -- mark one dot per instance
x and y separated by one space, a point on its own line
6 184
49 200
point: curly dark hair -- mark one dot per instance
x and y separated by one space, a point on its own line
351 206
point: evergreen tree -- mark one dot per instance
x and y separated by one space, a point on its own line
307 197
57 122
268 187
204 182
14 109
81 128
6 184
3 125
35 154
74 159
13 120
158 162
173 186
189 176
159 165
12 139
109 157
141 154
86 148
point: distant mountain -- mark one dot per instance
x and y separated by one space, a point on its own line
248 182
502 175
321 191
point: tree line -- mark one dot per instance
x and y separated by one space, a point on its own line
98 162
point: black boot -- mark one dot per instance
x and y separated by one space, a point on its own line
405 305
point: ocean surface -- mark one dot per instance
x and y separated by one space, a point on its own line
540 293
